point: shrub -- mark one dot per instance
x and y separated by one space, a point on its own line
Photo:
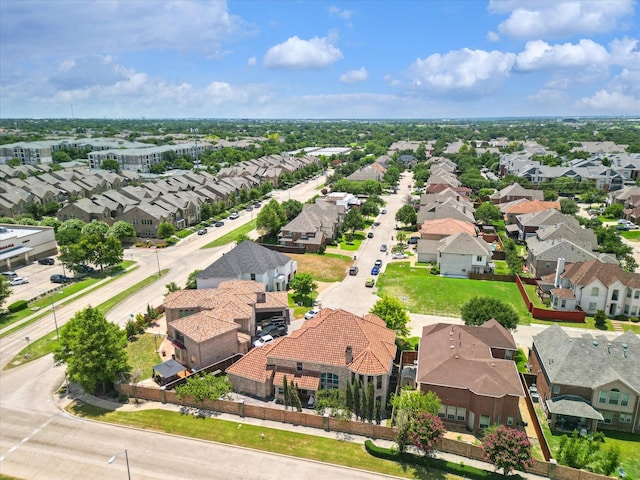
435 270
635 319
17 306
131 328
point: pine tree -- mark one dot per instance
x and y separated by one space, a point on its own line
363 403
356 398
378 417
295 397
371 402
348 397
285 393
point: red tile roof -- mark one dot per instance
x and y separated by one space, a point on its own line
306 380
530 206
447 226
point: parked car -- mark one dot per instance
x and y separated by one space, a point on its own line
375 270
378 263
57 278
399 255
219 223
274 330
622 226
632 226
311 313
202 231
413 240
370 235
273 321
86 269
257 205
9 274
249 208
262 341
46 261
383 211
18 281
353 270
370 282
383 247
624 221
234 215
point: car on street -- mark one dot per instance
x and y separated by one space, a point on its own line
18 281
86 269
370 235
257 205
353 270
623 221
370 282
375 270
622 226
218 223
383 247
378 263
46 261
311 313
249 208
399 255
274 330
57 278
413 240
202 231
234 215
262 341
383 211
9 274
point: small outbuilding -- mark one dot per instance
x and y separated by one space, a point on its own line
168 371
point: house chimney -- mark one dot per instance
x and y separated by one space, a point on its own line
559 269
262 297
348 355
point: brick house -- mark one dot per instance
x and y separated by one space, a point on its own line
472 371
208 325
588 382
329 351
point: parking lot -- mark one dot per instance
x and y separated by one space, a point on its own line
39 282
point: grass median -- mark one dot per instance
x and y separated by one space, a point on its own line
230 237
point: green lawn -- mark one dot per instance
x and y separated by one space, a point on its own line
431 294
501 267
143 355
321 449
533 296
232 235
631 235
354 245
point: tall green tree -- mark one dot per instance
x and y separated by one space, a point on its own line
407 406
568 206
302 284
369 209
5 290
271 218
165 230
353 220
507 449
488 213
407 215
96 227
292 209
69 232
480 309
394 314
121 230
425 431
93 349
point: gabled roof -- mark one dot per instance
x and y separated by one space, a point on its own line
464 244
204 325
466 350
247 257
524 206
447 226
588 361
585 273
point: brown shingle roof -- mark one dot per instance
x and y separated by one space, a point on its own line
584 273
530 206
202 326
466 350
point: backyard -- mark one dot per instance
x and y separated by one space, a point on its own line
432 294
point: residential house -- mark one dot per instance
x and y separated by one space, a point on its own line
598 286
471 370
250 261
316 225
529 223
208 325
515 192
587 382
457 255
145 218
444 227
85 209
542 256
329 351
374 172
521 207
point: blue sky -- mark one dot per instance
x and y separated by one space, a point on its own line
319 59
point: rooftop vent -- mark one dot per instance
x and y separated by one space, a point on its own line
595 343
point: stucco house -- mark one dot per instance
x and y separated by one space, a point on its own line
316 225
588 382
457 255
472 371
250 261
329 351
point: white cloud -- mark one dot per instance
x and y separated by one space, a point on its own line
625 52
471 71
88 71
539 55
355 76
341 13
558 19
493 37
298 54
549 96
610 102
252 61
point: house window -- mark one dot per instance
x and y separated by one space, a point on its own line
299 366
608 416
442 411
478 258
614 397
253 277
636 294
509 420
594 292
451 413
603 397
370 379
563 304
614 295
634 311
508 354
628 293
329 380
626 309
379 382
624 399
556 389
625 418
462 413
592 306
484 421
280 390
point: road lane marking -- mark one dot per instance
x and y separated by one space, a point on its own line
26 439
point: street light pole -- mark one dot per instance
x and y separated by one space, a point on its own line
158 262
126 456
55 320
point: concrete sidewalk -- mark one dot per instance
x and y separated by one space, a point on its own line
76 393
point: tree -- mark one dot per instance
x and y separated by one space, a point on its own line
369 208
5 290
425 431
121 230
615 210
192 282
95 228
112 165
408 405
271 218
243 237
600 319
285 393
302 284
205 387
488 213
407 215
568 206
481 309
292 209
165 230
93 350
171 287
69 232
394 314
353 220
507 449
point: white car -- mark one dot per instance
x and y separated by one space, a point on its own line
18 281
400 255
262 341
311 313
234 215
